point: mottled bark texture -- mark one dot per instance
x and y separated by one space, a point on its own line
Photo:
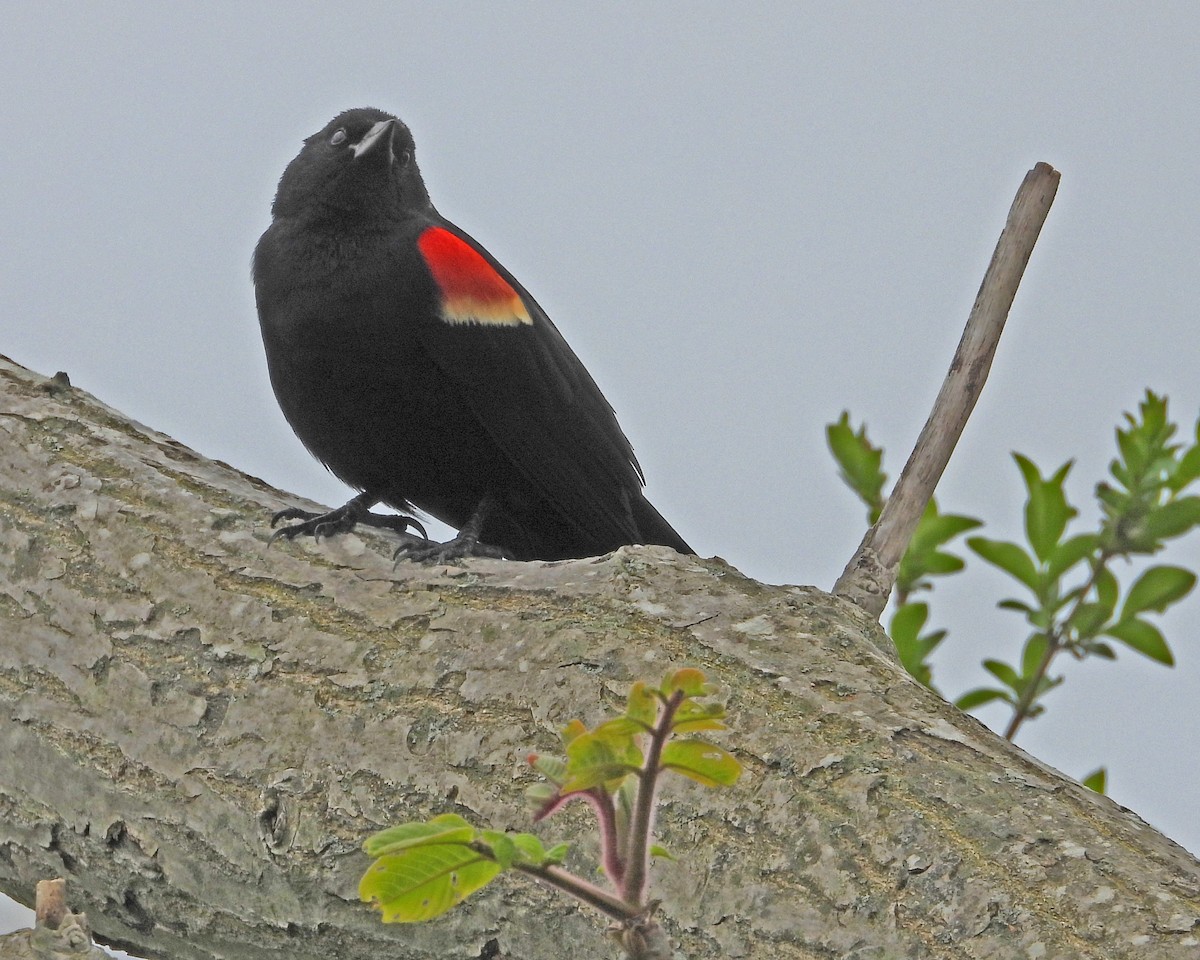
198 732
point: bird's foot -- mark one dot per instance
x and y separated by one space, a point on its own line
466 544
342 520
459 548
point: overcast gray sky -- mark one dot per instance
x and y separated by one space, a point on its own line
745 218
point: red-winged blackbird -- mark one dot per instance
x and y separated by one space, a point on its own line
417 369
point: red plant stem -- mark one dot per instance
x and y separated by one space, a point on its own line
637 860
601 802
610 840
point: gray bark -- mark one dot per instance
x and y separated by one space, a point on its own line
198 732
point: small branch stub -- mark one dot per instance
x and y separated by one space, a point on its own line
51 903
57 934
870 575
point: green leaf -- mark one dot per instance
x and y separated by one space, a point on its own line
936 529
703 762
599 757
923 558
446 828
1150 468
1008 557
607 775
1046 684
1032 655
913 658
1107 588
1046 510
424 882
642 705
537 795
504 849
1187 470
1157 589
1098 648
1143 637
689 680
1114 501
1132 446
620 733
620 728
940 564
979 696
1070 552
1173 519
1089 618
1029 473
553 769
911 646
1004 673
529 847
859 461
907 621
692 716
572 730
661 852
1096 780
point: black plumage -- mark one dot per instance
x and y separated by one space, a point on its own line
420 372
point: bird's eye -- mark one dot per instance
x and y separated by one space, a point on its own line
338 138
404 158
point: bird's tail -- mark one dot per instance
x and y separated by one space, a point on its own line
655 529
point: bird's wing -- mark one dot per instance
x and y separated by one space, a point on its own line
526 386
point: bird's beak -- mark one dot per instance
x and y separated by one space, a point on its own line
378 137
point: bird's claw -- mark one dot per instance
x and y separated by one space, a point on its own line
342 520
316 525
461 547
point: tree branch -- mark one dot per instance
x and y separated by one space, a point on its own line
871 573
198 733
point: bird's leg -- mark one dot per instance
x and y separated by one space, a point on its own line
343 520
466 544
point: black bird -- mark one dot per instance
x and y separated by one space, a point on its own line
420 372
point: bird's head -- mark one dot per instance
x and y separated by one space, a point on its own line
360 168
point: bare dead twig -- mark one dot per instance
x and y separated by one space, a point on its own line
870 575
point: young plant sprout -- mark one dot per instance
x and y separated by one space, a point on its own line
423 869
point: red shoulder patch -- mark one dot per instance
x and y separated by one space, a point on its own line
472 290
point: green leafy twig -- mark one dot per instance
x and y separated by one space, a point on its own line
423 869
1145 506
1075 605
